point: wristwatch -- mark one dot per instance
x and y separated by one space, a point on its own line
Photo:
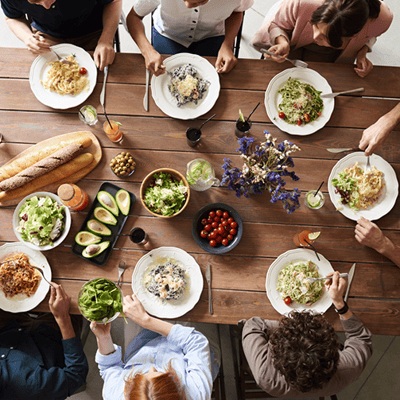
343 310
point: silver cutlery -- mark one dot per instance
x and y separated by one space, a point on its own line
103 93
121 269
296 63
208 278
342 149
146 94
42 273
331 95
351 275
368 166
312 280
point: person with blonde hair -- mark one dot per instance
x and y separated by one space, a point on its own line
164 361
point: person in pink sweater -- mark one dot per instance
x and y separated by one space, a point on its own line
341 31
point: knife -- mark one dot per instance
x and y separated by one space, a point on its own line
146 95
340 149
351 274
208 277
103 90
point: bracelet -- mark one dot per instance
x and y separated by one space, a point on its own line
343 310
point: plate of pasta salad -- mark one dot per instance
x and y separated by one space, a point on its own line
188 89
64 83
168 282
293 101
287 278
22 288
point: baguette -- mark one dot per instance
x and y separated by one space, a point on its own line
42 167
32 157
56 175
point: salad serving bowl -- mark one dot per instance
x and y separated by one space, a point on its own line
197 227
149 181
64 232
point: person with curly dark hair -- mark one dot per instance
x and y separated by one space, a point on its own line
301 355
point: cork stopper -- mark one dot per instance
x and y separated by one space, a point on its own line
66 192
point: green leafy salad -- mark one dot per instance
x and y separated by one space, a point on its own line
347 187
166 195
41 220
100 300
292 283
301 103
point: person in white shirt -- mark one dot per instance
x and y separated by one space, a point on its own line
206 28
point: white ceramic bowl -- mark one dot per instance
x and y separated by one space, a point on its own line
64 233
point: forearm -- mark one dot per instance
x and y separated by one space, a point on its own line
137 31
111 17
391 251
391 119
20 28
105 345
232 26
156 325
66 328
340 304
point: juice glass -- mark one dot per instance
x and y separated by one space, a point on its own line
201 175
314 201
300 239
112 131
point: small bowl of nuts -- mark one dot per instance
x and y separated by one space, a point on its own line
123 164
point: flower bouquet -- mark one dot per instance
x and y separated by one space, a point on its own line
264 168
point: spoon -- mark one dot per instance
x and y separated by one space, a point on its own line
209 119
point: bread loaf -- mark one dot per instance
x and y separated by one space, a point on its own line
32 157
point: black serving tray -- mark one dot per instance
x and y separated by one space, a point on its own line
102 258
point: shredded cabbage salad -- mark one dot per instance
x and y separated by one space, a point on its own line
292 283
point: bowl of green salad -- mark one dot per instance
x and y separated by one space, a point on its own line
41 221
165 193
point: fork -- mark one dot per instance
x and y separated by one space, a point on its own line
368 166
42 273
121 269
312 280
296 63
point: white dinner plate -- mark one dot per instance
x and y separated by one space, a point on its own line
167 103
39 70
295 256
390 192
21 302
273 98
170 308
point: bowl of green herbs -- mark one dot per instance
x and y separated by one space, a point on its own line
100 300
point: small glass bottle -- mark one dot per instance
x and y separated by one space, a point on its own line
73 197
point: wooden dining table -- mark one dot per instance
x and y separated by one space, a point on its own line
155 140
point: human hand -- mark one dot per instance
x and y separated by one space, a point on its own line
225 60
336 288
134 310
59 302
364 66
101 331
37 44
103 55
374 136
281 50
368 234
154 62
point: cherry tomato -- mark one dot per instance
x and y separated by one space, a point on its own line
229 237
203 234
210 220
226 214
218 239
225 234
319 113
234 224
214 224
299 122
225 242
230 220
204 221
233 232
225 223
83 71
219 213
297 106
212 243
208 228
221 230
287 300
212 235
217 219
306 117
212 214
209 236
282 115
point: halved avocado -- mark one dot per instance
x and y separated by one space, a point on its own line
94 250
108 202
98 227
124 201
85 238
104 216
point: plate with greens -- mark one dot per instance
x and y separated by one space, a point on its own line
387 199
295 92
304 295
100 300
41 221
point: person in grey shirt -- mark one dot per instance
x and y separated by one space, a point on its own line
300 355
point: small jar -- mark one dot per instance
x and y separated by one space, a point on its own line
73 197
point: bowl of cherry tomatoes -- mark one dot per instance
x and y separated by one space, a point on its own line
217 228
